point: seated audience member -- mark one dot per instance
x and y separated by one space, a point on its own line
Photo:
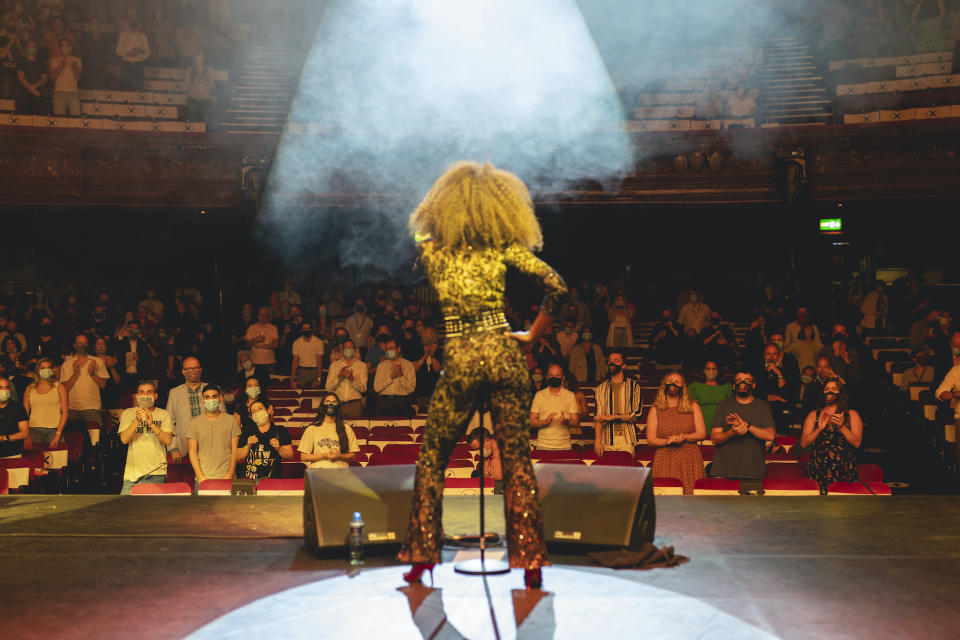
793 330
709 393
620 316
491 458
694 315
674 426
770 304
719 343
262 445
45 401
65 72
742 426
618 408
666 342
307 354
834 431
347 378
553 412
758 335
777 383
843 356
14 427
147 430
213 438
809 393
567 338
587 364
394 382
13 365
920 372
328 443
83 376
31 78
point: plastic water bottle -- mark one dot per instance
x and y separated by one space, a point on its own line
356 539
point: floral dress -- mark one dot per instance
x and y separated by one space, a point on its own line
833 458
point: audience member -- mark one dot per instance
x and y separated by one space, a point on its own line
263 444
620 316
359 325
567 338
65 72
395 381
874 309
577 310
147 431
742 426
916 306
10 51
47 406
133 49
802 324
554 412
674 426
710 393
843 356
919 373
376 350
137 356
263 338
587 363
307 354
834 432
719 343
347 378
770 304
617 409
200 91
546 351
252 392
666 341
694 315
32 77
212 439
491 465
328 443
14 427
84 376
805 346
185 402
427 369
808 394
95 50
777 382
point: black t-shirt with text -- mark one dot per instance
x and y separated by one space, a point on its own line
263 461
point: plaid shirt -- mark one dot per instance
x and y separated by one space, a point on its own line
196 401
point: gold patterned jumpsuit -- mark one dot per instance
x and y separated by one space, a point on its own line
480 361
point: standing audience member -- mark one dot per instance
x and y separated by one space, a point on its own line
567 338
620 316
147 431
66 70
618 406
587 363
674 426
359 325
200 87
719 343
666 342
742 426
95 49
45 401
185 402
428 372
919 373
347 378
263 338
213 439
14 427
133 49
491 464
874 309
949 391
31 77
394 382
694 315
83 376
10 51
800 325
777 383
252 392
710 393
808 396
805 346
263 444
554 412
834 432
307 357
328 443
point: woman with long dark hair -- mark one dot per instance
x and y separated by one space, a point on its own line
262 445
835 431
328 443
474 223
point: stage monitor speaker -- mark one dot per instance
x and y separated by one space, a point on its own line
597 506
380 493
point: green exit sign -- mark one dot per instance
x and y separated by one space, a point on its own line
831 225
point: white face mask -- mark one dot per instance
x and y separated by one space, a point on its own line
253 392
46 373
4 395
261 417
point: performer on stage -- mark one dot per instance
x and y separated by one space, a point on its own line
475 222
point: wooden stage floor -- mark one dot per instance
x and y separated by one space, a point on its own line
169 567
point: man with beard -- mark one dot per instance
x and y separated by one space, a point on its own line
742 426
618 407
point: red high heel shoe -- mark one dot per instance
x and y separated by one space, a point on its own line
417 570
532 578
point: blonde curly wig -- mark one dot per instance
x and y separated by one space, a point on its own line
477 205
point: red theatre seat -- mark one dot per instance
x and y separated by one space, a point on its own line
869 472
280 486
667 487
645 454
292 469
784 471
616 459
218 486
554 454
391 458
879 488
848 489
560 461
791 487
164 489
404 449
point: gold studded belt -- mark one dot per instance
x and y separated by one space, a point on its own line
485 321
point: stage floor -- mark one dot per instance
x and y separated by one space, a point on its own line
791 567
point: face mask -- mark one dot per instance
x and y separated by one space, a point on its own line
330 410
4 395
359 308
554 381
672 389
806 379
715 321
248 365
253 392
212 405
102 349
830 398
31 51
838 337
145 402
694 297
956 351
134 332
408 329
587 336
391 354
382 337
348 353
568 330
81 349
261 417
537 377
322 311
341 338
66 51
46 373
306 334
710 374
743 389
614 369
